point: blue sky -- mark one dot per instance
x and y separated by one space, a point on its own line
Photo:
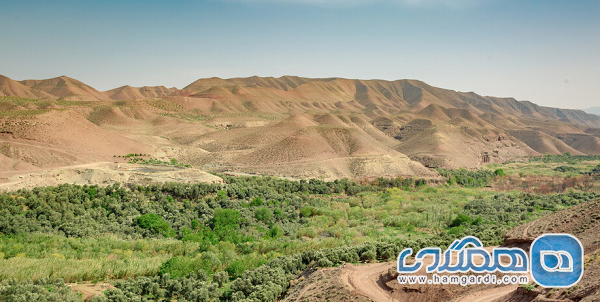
544 51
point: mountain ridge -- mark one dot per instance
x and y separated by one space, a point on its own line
593 110
64 87
307 127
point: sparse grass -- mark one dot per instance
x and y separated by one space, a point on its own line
153 161
78 259
75 103
191 117
19 113
72 270
19 101
40 246
42 104
546 168
165 105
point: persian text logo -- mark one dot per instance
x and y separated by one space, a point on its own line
556 259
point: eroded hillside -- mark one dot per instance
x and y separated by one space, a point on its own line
289 126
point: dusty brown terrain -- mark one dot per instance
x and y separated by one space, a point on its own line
288 126
582 221
377 282
89 290
322 285
105 174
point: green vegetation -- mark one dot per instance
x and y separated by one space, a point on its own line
40 290
244 240
142 159
13 106
470 178
551 165
154 223
13 102
165 104
192 117
154 161
594 171
563 158
564 169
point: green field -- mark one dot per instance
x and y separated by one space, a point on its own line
244 241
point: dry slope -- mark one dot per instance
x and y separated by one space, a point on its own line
291 126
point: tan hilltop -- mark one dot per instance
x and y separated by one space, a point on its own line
11 87
135 93
288 126
65 88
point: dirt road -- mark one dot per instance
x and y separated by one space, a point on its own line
488 295
366 280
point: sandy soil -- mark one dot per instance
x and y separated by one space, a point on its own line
373 281
104 174
366 279
489 295
89 290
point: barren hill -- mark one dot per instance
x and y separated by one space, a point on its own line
59 138
135 93
65 88
387 97
582 221
296 126
10 87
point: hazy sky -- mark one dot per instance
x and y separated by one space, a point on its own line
547 52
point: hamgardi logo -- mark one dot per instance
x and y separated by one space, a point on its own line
554 261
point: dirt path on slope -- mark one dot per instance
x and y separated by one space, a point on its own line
488 295
526 230
367 281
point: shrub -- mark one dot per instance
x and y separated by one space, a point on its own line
182 266
204 236
324 262
274 232
256 202
263 214
40 290
306 211
457 231
468 178
565 169
221 278
154 223
460 220
236 268
370 254
226 224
